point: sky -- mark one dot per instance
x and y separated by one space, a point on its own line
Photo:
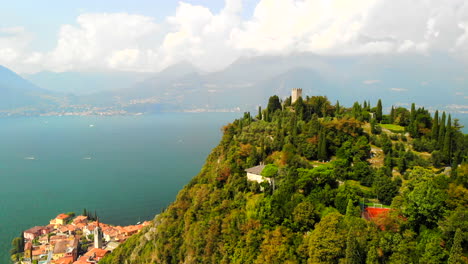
150 35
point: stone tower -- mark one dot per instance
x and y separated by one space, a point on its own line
97 236
295 94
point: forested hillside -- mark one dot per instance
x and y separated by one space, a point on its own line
327 165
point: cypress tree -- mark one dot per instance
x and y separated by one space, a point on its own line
266 116
352 253
440 141
435 126
350 209
337 108
447 150
392 115
456 250
322 151
413 113
378 114
299 108
259 116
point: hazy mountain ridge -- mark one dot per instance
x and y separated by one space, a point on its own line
433 81
16 92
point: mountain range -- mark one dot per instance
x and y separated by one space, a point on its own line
17 93
435 81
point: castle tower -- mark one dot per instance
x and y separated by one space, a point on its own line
97 236
295 94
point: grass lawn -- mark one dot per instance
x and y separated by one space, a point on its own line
377 205
393 128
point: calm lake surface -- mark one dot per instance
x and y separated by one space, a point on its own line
126 168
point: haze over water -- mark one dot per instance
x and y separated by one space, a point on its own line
125 168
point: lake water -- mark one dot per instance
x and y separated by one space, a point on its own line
126 168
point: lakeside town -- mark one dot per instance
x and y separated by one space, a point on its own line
71 240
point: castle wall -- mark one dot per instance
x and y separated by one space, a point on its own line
295 94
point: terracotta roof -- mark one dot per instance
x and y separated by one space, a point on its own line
80 225
82 260
256 170
80 218
62 216
61 247
34 230
96 253
39 250
64 260
58 237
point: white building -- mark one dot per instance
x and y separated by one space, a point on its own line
254 174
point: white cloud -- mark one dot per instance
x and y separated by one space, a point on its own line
286 25
456 106
398 89
121 41
369 82
13 42
103 41
202 37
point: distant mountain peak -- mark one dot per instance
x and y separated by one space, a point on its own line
181 67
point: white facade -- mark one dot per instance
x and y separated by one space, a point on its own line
257 178
295 94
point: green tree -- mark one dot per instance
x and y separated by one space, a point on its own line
300 108
384 188
270 171
327 242
351 210
431 249
273 104
455 256
435 126
426 204
447 147
322 150
337 108
378 112
16 246
413 113
440 141
304 216
372 256
276 247
259 115
352 251
392 115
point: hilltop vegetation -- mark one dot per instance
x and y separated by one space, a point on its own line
327 162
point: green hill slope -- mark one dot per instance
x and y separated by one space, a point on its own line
327 163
